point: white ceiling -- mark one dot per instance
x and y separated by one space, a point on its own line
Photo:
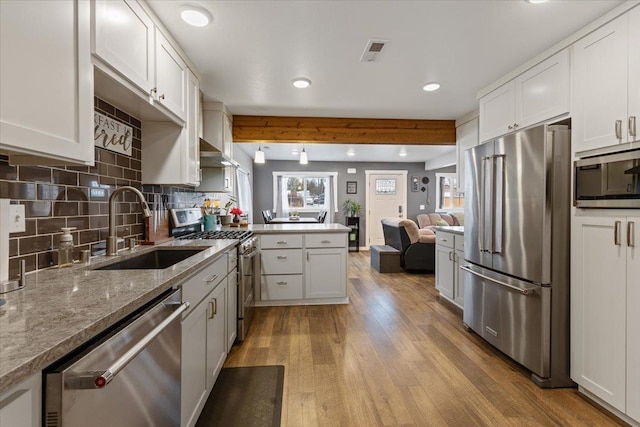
253 49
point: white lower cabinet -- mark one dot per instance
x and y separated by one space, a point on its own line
216 332
21 405
325 273
232 309
300 268
194 365
208 332
605 296
449 256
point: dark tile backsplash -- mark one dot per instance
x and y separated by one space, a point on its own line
77 196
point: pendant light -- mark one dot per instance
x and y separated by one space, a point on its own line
303 157
259 157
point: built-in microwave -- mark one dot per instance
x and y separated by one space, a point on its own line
608 181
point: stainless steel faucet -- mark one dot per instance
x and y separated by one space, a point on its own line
112 239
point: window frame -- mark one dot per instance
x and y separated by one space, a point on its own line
304 176
453 181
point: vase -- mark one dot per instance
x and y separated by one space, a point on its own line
236 219
209 222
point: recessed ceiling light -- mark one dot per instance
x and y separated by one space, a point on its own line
430 87
195 15
536 1
301 82
403 153
351 153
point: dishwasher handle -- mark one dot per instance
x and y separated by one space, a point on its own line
100 379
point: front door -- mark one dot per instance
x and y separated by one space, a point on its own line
386 197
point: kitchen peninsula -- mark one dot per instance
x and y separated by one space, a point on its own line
302 264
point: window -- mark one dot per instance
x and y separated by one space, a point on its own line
306 192
447 197
303 191
385 186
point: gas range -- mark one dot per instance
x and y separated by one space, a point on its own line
186 224
218 234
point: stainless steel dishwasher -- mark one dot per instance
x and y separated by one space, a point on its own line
130 376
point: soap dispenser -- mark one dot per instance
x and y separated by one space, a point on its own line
65 248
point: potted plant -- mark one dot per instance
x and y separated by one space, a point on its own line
351 208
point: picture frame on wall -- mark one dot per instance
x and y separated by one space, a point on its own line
352 187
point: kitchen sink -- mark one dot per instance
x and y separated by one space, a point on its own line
154 260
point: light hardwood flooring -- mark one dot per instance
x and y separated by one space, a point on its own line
397 356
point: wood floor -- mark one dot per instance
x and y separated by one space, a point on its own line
397 356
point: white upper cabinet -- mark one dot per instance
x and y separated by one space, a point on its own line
124 39
633 121
171 77
130 47
171 153
193 139
497 112
606 78
543 91
218 127
466 137
46 82
538 94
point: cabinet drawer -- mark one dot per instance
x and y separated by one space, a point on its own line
276 287
459 242
281 241
199 285
232 261
323 240
287 261
445 239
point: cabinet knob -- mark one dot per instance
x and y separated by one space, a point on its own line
510 127
154 90
632 125
618 129
515 125
161 96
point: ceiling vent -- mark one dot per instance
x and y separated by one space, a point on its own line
373 50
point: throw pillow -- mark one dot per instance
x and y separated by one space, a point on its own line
442 222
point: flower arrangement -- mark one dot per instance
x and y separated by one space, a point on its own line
236 211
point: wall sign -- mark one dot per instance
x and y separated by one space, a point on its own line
112 134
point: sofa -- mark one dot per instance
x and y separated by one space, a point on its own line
428 221
416 247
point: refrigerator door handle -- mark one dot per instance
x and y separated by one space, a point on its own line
486 203
523 291
498 203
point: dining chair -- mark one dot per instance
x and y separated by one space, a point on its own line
266 216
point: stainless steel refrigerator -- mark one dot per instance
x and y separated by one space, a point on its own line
517 237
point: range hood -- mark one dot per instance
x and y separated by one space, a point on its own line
211 157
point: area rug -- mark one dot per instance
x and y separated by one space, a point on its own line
245 397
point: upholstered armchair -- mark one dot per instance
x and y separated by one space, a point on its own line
417 247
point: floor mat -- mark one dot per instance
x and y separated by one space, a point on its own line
245 397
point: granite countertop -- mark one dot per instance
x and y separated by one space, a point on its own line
298 228
455 229
60 309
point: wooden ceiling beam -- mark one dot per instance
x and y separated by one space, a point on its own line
326 130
